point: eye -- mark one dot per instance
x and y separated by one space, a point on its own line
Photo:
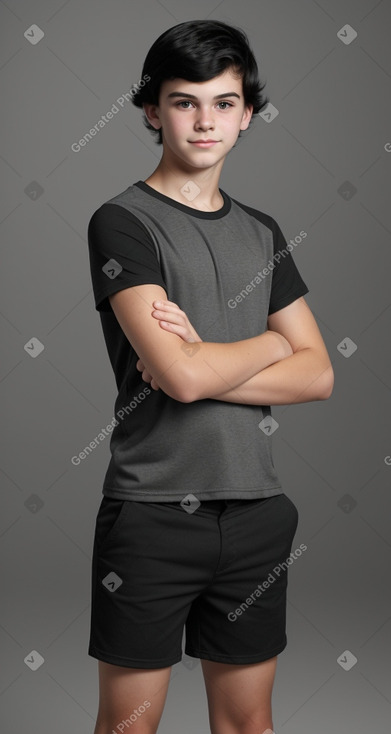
187 101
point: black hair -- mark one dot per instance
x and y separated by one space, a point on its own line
198 50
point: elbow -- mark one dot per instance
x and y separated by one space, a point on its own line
185 396
327 384
182 393
180 385
186 390
178 392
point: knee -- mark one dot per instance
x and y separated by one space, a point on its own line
107 726
263 727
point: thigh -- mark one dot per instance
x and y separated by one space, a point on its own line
144 580
240 618
239 696
127 696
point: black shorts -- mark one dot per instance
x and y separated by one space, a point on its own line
219 571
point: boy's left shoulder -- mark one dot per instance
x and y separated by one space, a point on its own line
259 214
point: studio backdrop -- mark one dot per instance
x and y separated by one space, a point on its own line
317 159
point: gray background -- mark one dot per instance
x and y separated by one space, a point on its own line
333 130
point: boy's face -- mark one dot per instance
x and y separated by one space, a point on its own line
184 120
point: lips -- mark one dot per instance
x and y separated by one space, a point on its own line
204 143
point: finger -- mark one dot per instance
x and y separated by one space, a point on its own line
181 331
147 377
159 303
173 318
174 328
168 308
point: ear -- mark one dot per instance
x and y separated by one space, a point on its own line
247 114
152 113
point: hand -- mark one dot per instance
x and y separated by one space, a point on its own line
176 321
147 377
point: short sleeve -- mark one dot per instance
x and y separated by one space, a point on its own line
287 283
122 253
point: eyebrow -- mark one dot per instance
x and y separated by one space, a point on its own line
192 96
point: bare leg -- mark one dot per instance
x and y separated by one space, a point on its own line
239 696
130 697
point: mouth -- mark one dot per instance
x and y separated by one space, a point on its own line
204 143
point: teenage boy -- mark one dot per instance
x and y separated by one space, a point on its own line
206 326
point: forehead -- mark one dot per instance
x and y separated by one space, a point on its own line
224 83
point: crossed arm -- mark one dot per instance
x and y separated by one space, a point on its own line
288 363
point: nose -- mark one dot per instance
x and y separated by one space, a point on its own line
204 120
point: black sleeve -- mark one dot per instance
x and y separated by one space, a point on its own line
122 253
287 283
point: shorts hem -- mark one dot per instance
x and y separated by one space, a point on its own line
131 662
236 659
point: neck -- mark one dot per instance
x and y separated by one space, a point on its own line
195 187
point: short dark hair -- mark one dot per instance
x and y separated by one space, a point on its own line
199 50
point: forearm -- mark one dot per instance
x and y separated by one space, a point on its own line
302 377
208 368
257 371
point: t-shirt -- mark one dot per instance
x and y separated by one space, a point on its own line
228 270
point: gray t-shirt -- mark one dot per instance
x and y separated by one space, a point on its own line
228 270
